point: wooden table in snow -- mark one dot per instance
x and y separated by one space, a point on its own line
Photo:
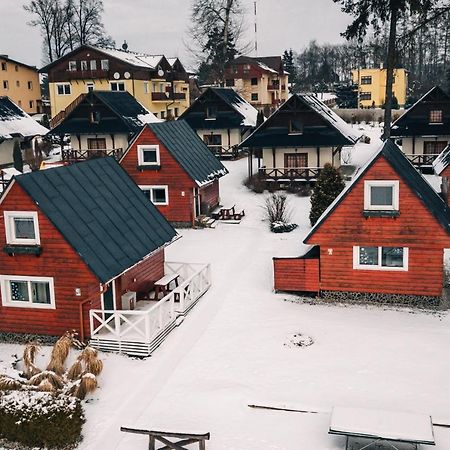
369 426
162 286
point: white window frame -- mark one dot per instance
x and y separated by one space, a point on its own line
117 83
93 64
90 84
64 86
72 66
381 183
151 188
358 266
84 65
10 231
146 87
140 152
6 291
104 64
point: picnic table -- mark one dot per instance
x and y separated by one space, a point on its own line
229 213
162 286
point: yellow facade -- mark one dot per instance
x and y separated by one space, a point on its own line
372 86
21 84
152 94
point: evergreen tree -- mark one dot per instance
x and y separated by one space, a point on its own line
289 65
17 156
347 96
328 186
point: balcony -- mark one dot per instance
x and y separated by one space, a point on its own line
288 175
141 330
72 156
67 75
273 86
423 160
167 96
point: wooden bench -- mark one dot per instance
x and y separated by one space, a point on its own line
163 437
162 286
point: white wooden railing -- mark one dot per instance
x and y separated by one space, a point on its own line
146 325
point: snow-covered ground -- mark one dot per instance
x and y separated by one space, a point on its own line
235 349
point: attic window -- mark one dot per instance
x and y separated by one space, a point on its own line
104 63
436 116
72 66
148 155
22 228
93 64
295 126
84 65
95 117
380 195
211 112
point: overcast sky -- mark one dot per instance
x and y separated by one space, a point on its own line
161 26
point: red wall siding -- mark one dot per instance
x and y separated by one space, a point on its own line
209 196
180 207
415 228
58 260
296 274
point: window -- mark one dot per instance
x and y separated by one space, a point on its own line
84 65
380 258
366 80
90 86
27 292
146 90
436 116
295 126
30 85
4 66
148 155
155 87
163 114
254 97
229 82
22 227
254 81
212 139
104 64
211 112
158 195
176 112
63 89
5 84
365 96
16 68
381 195
31 103
18 83
434 147
118 86
95 118
72 66
93 64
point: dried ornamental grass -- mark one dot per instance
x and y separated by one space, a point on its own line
90 357
75 371
29 357
87 384
9 384
60 352
46 386
55 380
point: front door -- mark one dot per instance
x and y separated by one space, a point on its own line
295 160
108 298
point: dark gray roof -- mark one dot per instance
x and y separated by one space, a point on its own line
400 163
442 161
189 150
128 115
101 213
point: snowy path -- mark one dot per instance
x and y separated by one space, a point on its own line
230 352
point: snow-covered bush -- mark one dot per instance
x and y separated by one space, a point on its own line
281 227
40 419
276 208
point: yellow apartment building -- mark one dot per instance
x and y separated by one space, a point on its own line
372 86
20 83
261 81
160 84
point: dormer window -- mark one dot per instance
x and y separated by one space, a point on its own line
380 195
22 228
295 126
436 116
148 155
211 112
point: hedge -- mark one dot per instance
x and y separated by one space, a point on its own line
40 419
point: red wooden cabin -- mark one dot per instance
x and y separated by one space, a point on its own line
384 234
175 170
75 238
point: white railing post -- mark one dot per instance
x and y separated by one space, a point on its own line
147 328
117 325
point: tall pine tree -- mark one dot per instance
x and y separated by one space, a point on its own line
328 186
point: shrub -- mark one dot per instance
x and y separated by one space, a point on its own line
40 419
328 186
256 184
280 227
276 208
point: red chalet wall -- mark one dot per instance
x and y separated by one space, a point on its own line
209 196
296 274
58 260
415 228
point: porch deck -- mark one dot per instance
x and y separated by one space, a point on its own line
141 330
76 155
224 152
287 174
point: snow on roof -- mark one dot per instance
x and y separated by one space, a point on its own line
149 118
134 58
331 116
172 61
397 426
266 68
15 122
244 108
